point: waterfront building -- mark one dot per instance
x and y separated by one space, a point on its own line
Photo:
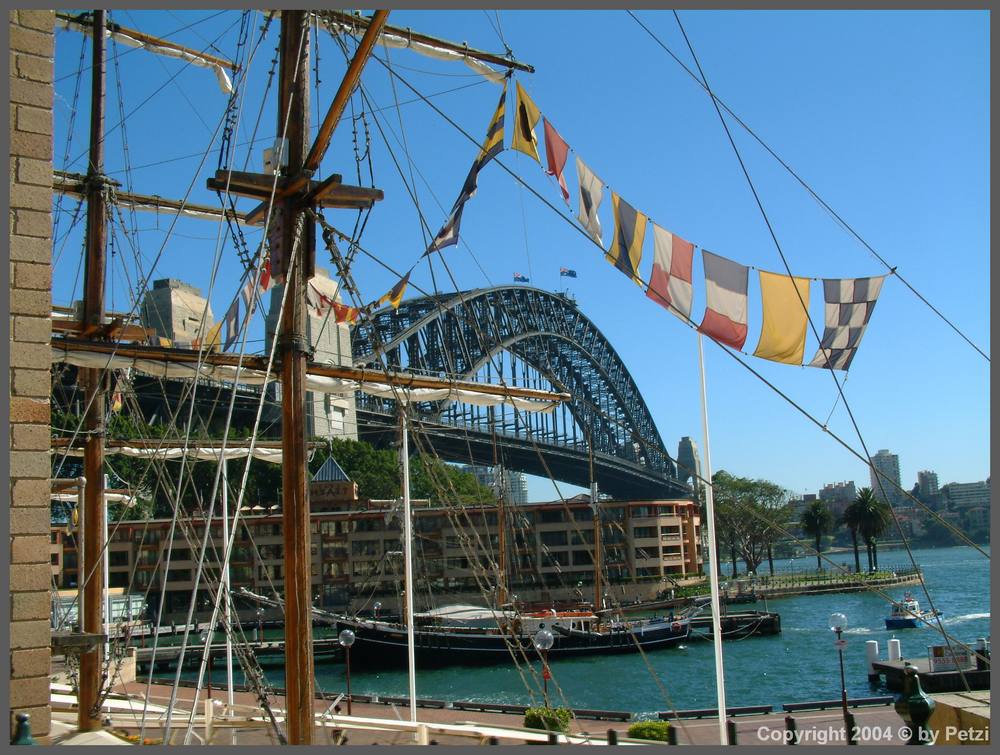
888 464
357 544
966 495
688 462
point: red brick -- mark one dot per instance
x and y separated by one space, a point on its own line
32 248
32 275
28 521
29 222
29 410
36 662
30 40
30 145
33 171
41 20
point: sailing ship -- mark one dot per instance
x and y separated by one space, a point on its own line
470 634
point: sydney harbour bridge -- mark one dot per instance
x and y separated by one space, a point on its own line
523 336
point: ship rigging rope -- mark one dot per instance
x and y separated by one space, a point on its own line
58 211
864 458
843 223
84 69
155 92
812 327
294 259
351 288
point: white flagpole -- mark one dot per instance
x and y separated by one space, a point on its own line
408 565
230 695
713 572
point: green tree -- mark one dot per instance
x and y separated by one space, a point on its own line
874 519
852 519
750 515
817 521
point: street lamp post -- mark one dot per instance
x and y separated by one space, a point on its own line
838 623
543 641
260 625
346 639
376 608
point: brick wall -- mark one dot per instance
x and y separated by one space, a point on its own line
30 225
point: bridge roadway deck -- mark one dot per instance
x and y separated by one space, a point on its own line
815 727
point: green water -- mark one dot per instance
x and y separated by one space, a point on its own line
799 664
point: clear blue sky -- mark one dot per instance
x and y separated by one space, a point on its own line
885 113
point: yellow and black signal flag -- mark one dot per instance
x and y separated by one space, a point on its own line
526 115
395 294
492 146
625 252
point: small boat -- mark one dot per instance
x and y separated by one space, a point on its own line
906 614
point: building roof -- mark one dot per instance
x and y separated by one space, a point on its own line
330 472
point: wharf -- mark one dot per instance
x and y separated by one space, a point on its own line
931 681
814 727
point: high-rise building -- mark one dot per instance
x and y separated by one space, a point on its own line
927 484
516 482
688 461
838 496
327 416
888 464
175 310
838 491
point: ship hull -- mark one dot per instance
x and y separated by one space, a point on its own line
385 645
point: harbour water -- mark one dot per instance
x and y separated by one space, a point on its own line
797 665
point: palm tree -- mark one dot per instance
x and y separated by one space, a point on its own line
874 519
817 521
852 519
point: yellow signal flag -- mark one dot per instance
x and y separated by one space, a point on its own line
785 302
395 295
212 340
625 252
526 115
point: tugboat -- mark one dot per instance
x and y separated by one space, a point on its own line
906 613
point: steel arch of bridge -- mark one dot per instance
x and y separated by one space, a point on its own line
461 334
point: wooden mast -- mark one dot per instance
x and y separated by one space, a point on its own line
293 110
298 239
93 459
